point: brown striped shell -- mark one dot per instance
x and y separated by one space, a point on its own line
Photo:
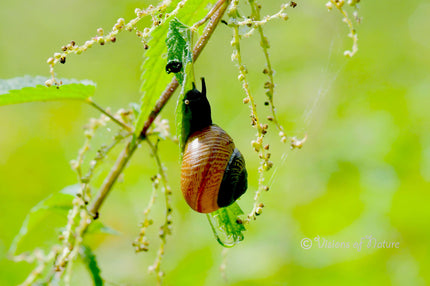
205 159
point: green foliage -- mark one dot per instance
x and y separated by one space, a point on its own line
154 76
183 123
90 262
224 223
28 89
56 205
179 46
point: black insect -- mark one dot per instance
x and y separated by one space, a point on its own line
174 66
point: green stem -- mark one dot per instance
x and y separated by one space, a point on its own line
102 110
265 45
110 180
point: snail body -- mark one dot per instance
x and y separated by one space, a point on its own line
213 173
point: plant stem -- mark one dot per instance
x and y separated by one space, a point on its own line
110 180
102 110
126 154
265 45
211 12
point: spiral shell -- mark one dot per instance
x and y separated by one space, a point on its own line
206 155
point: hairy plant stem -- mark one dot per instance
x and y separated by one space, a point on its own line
110 180
265 45
126 154
102 110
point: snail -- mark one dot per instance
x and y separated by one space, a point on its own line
213 173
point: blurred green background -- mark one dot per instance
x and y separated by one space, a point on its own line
365 169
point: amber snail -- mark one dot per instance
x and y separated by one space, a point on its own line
213 173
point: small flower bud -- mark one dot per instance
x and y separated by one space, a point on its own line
89 44
49 82
283 16
347 54
258 211
138 12
268 84
260 140
268 165
255 145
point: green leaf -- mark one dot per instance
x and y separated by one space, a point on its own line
179 46
90 261
53 209
225 227
182 122
154 76
28 89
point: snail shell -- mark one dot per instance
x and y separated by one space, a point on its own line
206 155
